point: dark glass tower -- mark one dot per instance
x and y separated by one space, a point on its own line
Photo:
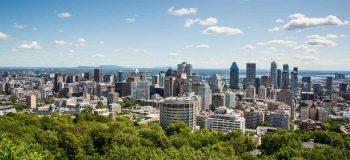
234 76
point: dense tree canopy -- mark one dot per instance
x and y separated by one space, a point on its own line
87 136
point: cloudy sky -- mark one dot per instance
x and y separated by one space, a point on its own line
206 33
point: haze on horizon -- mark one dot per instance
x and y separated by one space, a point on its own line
144 34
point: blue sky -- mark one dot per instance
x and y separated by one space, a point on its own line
208 34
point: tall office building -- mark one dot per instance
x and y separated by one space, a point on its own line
285 77
250 74
250 92
58 79
183 109
31 101
215 83
184 68
206 94
218 100
306 84
120 76
294 81
169 86
230 99
112 97
273 74
161 79
140 90
262 92
98 75
265 81
188 69
279 78
329 83
155 80
234 76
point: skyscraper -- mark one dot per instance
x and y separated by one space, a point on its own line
169 86
250 74
215 83
285 77
206 95
120 76
306 84
161 79
329 83
234 76
279 78
273 74
98 75
294 81
188 69
58 79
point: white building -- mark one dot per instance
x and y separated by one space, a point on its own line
140 90
225 121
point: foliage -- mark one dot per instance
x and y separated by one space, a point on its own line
89 136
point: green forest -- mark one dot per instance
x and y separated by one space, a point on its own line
88 136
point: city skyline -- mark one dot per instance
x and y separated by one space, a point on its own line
207 34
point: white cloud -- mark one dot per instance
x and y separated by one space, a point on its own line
279 21
306 49
222 30
4 36
64 15
248 47
286 43
300 21
19 26
343 35
182 11
101 42
198 46
206 22
59 43
145 51
71 51
60 30
130 20
33 45
35 29
317 40
175 54
274 29
331 36
99 55
81 41
116 50
306 58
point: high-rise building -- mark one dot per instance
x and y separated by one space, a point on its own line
183 109
120 76
273 74
58 79
285 77
294 81
262 92
155 80
234 76
140 90
31 101
317 89
98 75
218 100
161 79
257 85
250 92
279 78
184 68
329 83
169 86
250 74
188 69
101 90
206 94
215 83
279 119
87 76
265 81
112 97
253 118
306 84
225 121
230 99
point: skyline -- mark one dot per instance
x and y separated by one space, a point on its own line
207 34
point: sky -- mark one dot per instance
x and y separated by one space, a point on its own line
312 35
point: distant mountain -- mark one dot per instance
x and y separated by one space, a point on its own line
104 67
